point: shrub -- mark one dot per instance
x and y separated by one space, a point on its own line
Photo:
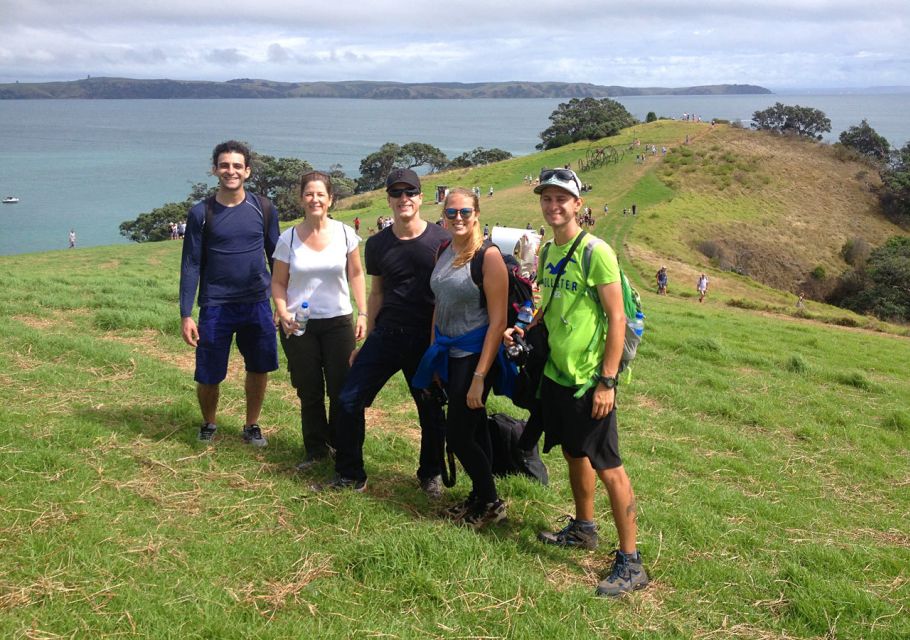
818 272
361 204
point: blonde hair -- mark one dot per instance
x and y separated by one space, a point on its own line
464 256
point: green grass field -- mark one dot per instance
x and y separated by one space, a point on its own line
769 455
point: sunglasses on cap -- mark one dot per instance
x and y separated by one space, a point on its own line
561 174
397 193
465 213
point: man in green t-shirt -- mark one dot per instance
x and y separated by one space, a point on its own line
586 324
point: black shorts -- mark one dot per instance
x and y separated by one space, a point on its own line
567 422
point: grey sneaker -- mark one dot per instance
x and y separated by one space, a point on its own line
207 432
572 535
626 575
432 487
252 434
482 515
340 483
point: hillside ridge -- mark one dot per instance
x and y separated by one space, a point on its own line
130 88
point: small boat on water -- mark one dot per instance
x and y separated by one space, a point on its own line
10 200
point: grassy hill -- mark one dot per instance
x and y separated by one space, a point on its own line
768 451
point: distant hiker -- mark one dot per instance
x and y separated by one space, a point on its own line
400 259
578 390
486 228
357 224
662 281
72 238
634 209
606 208
702 287
490 195
317 262
800 301
226 253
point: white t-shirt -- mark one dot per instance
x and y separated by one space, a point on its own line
318 277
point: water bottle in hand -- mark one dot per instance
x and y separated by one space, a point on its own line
302 317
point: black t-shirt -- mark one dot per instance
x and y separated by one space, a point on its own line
405 267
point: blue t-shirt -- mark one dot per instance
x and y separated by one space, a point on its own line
237 259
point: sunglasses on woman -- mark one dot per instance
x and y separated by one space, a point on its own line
465 213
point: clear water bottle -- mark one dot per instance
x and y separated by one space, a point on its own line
302 317
638 323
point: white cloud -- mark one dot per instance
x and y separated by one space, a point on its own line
645 43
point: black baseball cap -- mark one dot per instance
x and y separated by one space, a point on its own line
405 176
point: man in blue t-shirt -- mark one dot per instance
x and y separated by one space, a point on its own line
400 259
227 250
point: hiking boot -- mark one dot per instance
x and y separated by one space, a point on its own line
340 483
432 487
252 434
573 535
627 575
481 515
461 509
207 432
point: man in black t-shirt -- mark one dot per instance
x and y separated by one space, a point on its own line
400 259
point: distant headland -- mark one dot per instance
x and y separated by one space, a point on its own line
128 88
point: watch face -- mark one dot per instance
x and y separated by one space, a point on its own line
609 383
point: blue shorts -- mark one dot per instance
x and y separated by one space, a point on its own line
252 322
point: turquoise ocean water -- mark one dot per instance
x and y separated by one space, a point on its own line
90 164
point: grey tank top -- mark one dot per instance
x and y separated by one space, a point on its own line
458 309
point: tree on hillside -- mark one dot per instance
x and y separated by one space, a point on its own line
792 120
155 224
865 140
584 119
882 285
889 270
894 194
479 156
278 179
375 167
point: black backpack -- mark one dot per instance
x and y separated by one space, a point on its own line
508 457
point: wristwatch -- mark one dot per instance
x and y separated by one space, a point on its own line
609 382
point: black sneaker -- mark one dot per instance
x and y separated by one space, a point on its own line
252 434
207 432
627 575
481 515
461 509
340 483
432 487
572 535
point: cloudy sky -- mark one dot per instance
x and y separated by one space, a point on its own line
774 43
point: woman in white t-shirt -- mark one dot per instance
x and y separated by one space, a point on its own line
317 261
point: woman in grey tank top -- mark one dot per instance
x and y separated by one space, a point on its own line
476 330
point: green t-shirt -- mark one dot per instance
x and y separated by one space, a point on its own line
577 340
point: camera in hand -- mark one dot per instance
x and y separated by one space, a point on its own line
519 351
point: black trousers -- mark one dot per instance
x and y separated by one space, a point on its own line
318 364
466 429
